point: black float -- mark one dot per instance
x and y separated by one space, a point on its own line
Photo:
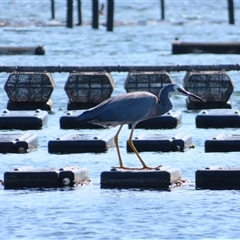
69 121
23 120
167 121
159 142
218 118
164 178
217 178
39 50
207 105
30 177
223 143
18 142
179 47
81 143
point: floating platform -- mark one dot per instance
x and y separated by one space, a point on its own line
23 120
39 50
30 177
18 142
218 118
223 143
179 47
69 121
162 143
81 143
164 178
207 105
217 178
169 120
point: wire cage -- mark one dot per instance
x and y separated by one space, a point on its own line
212 86
151 82
29 86
89 87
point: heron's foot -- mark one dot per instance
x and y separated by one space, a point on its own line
123 167
143 168
151 168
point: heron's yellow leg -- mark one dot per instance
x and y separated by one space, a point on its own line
130 142
117 146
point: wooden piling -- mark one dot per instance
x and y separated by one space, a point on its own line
231 11
110 15
95 16
162 10
53 9
79 10
70 13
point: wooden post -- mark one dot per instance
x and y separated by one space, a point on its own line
79 9
95 16
162 10
231 11
53 9
110 15
70 13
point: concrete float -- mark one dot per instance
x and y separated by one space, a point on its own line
218 178
218 118
163 178
170 120
69 121
223 143
18 142
23 120
81 143
160 142
30 177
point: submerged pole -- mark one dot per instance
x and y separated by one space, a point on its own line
95 17
79 10
70 13
231 11
110 15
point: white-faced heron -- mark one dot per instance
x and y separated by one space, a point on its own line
132 108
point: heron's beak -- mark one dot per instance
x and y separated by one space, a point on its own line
184 92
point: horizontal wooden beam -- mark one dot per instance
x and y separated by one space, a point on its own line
119 68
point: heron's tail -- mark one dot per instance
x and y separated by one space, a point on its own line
86 116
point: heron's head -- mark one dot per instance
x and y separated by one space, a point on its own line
175 89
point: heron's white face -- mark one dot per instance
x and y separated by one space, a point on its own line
182 91
176 90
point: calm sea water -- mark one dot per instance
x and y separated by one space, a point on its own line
90 212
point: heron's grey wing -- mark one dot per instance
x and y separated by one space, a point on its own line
122 109
127 108
93 113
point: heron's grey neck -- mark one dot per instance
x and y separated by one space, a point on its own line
165 101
